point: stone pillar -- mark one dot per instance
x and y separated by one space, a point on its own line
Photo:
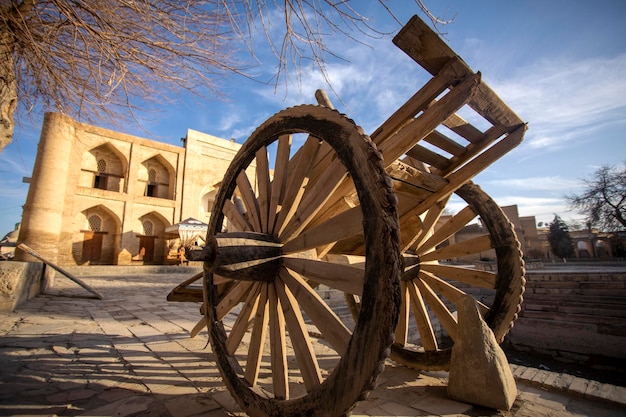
42 217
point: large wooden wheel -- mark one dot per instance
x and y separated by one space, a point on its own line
261 266
432 284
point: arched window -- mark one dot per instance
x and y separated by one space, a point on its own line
152 187
95 223
101 178
148 228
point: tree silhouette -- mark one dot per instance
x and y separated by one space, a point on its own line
603 201
559 238
93 59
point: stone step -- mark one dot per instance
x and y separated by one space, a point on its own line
617 323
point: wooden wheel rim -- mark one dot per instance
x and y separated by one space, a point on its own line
369 345
508 287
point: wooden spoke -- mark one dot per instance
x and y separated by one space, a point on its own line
466 247
303 349
342 226
346 278
448 290
201 324
456 223
244 319
263 180
236 218
447 320
232 298
424 326
483 279
278 347
313 200
257 339
298 179
430 220
280 179
329 324
249 200
402 329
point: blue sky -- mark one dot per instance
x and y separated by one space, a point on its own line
560 64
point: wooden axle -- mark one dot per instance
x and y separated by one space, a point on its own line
244 256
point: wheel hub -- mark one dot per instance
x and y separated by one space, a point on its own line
244 256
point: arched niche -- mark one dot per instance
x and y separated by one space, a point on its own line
156 178
103 167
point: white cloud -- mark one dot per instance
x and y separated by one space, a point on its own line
547 183
567 100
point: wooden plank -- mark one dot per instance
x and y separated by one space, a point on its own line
342 226
32 252
263 181
249 200
417 103
346 278
411 133
278 347
329 324
475 277
424 325
279 182
430 220
453 225
258 337
464 129
447 320
303 349
425 47
491 135
444 143
429 157
459 249
201 324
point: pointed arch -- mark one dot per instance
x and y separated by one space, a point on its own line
159 177
104 167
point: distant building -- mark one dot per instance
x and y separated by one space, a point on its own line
102 197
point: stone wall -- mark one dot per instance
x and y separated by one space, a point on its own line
574 316
19 282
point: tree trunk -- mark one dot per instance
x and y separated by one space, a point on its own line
8 94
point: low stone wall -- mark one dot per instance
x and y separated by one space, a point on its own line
19 282
574 316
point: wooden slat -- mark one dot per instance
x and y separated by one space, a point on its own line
249 200
483 279
430 220
201 324
431 158
303 349
464 129
444 143
453 225
417 103
329 324
279 182
278 343
411 133
447 320
459 249
423 45
345 278
424 325
263 181
258 337
244 319
297 181
342 226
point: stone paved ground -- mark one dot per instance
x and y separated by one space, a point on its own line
130 355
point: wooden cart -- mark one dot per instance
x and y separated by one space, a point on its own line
310 202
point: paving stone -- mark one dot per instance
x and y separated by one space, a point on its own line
438 405
188 405
123 407
579 385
